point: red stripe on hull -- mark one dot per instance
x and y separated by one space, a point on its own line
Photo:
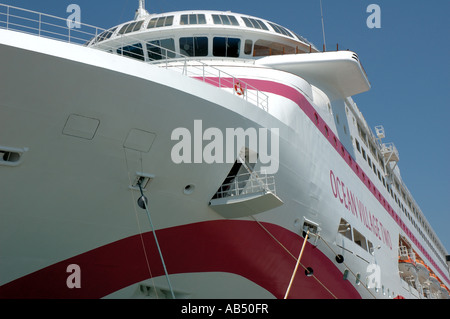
295 96
238 247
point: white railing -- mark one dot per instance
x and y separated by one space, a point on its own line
45 25
48 26
217 77
247 183
389 148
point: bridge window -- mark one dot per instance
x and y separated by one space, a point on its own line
224 19
160 22
161 49
192 19
281 30
131 27
266 48
133 51
255 23
228 47
105 35
194 46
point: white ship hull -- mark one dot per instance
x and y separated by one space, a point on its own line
85 122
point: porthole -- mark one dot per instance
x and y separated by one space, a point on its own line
11 156
309 272
189 189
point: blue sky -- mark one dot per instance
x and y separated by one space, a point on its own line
407 61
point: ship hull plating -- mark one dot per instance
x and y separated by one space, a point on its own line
90 122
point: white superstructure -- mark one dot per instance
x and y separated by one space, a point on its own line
98 175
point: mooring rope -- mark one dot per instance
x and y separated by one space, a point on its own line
295 258
139 227
296 265
339 256
144 201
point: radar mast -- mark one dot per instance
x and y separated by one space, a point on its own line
141 13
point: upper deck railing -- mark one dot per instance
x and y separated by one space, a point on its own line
66 30
247 183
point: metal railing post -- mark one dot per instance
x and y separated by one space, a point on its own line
53 29
7 18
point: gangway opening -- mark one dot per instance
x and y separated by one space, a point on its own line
245 192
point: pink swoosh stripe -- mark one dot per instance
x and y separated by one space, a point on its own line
308 109
238 247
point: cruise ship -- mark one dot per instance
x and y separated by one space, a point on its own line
198 154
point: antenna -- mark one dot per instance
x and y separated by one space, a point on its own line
141 12
323 28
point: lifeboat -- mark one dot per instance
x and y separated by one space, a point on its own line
435 285
422 271
407 268
444 292
406 263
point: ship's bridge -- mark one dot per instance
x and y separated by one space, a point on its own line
200 33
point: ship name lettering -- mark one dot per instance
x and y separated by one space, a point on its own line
358 209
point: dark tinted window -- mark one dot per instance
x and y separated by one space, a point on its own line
194 46
161 49
133 51
228 47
